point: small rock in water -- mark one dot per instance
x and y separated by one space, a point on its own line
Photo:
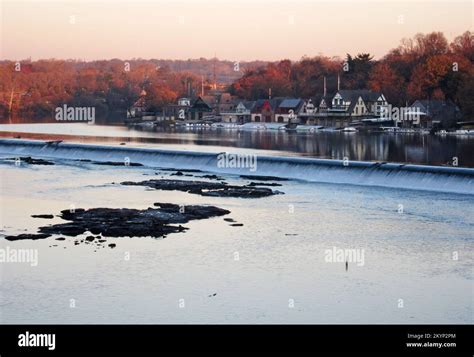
253 184
116 163
61 238
237 224
263 178
45 216
112 245
28 236
229 219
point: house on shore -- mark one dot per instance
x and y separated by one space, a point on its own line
289 110
264 110
240 115
139 107
349 107
227 103
358 103
178 111
212 102
435 113
308 114
199 109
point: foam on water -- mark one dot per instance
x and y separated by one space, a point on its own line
417 177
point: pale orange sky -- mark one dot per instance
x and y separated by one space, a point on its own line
231 29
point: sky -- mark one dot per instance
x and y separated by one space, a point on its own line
236 30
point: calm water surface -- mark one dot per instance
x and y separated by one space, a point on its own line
280 275
405 148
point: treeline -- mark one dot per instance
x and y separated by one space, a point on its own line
424 67
33 89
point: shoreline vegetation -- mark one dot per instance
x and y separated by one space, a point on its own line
424 67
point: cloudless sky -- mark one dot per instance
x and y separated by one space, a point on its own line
230 29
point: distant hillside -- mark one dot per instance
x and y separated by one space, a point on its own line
225 72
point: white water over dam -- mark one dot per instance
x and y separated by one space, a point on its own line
413 177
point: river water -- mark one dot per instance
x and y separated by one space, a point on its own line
413 230
361 146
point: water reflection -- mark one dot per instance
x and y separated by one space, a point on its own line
408 148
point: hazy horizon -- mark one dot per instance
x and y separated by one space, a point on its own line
229 30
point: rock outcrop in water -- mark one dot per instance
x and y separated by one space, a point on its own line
125 222
215 189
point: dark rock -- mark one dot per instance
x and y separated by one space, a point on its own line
215 189
68 229
237 224
253 184
213 177
45 216
31 161
229 219
263 178
181 170
116 163
28 236
124 222
178 173
54 142
102 240
61 238
112 245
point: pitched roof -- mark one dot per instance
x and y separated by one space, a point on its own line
200 105
353 94
273 103
434 106
327 100
290 103
249 104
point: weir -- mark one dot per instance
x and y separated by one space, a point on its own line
404 176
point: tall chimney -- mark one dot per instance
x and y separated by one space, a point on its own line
338 82
269 93
324 86
202 86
